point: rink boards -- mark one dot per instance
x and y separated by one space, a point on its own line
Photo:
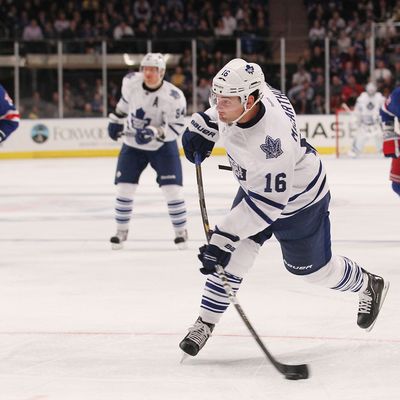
87 137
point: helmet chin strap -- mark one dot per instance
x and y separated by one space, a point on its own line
246 110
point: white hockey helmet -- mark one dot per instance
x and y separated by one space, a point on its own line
371 88
154 60
239 78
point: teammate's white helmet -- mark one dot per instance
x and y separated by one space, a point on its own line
154 60
239 78
371 88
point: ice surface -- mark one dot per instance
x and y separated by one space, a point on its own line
79 321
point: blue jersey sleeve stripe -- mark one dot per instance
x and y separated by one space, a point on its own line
257 196
311 202
258 211
310 185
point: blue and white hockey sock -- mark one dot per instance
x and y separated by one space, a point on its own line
176 206
341 274
177 213
215 301
124 205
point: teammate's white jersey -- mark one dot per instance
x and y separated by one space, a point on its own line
164 107
279 171
367 108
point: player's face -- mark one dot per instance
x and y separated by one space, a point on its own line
151 76
228 108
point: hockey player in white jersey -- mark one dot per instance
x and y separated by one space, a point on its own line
366 112
283 191
150 117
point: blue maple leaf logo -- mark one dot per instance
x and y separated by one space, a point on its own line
249 69
138 120
175 94
140 113
272 147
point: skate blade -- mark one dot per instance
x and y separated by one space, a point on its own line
384 292
117 246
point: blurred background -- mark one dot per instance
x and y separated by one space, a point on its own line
66 59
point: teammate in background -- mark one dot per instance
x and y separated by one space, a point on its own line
9 116
391 139
282 191
366 112
150 116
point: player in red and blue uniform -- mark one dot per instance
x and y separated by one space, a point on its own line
9 116
391 139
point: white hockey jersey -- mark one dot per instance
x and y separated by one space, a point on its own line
278 170
367 108
164 107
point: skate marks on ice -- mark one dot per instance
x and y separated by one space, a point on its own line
80 322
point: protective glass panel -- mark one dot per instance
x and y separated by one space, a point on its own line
38 79
82 78
305 75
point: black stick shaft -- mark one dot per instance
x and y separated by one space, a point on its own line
282 368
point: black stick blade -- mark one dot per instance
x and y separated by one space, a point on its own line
295 372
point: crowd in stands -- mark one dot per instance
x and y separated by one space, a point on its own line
216 25
347 24
82 24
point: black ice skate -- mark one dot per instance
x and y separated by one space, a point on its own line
197 337
118 239
181 240
371 300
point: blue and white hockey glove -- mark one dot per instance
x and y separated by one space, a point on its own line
146 135
192 143
217 252
115 126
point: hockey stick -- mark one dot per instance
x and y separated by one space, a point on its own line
225 167
293 372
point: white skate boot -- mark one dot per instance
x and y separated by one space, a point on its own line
118 239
